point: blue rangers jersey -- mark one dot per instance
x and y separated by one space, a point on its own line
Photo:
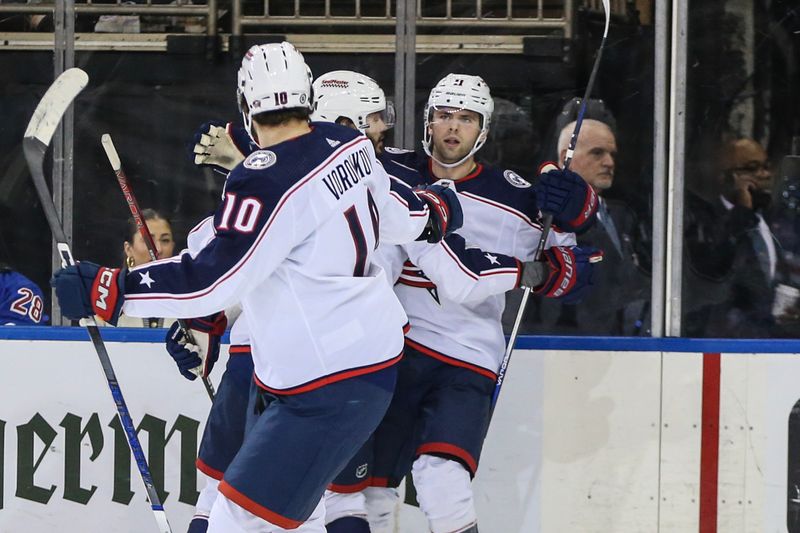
294 241
21 302
454 292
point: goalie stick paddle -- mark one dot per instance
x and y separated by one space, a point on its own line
37 138
547 220
133 205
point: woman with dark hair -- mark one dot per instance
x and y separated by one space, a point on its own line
135 249
136 254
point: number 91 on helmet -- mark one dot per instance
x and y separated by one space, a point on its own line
458 92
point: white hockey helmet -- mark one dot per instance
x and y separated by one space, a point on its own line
460 91
272 77
344 93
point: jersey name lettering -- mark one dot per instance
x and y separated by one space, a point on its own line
348 173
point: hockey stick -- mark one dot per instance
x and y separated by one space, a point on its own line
133 205
547 220
37 138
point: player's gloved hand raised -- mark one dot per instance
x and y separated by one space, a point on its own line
86 289
565 195
565 272
220 146
197 358
445 212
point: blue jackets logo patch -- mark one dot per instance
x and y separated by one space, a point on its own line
515 179
260 160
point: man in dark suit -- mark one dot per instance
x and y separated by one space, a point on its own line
733 261
619 301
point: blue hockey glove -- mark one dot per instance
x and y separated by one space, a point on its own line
86 289
445 212
220 146
565 273
198 358
566 196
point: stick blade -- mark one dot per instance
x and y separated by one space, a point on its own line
54 104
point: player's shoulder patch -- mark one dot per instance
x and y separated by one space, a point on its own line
515 179
260 160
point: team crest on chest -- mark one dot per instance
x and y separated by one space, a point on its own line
515 179
260 160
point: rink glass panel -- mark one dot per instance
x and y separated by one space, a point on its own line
152 103
742 81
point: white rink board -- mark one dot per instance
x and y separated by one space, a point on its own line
54 378
588 441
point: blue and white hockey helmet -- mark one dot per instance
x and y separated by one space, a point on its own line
460 91
272 77
344 93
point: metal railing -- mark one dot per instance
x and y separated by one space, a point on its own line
175 8
495 26
489 14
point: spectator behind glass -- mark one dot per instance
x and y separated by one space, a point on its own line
619 302
135 249
21 301
735 263
136 254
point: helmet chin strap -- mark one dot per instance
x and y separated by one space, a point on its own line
475 148
254 135
251 130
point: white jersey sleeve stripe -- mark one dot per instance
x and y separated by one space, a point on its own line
506 208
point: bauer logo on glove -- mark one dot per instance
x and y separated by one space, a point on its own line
565 272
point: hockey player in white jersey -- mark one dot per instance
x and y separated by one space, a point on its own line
294 239
356 101
359 104
438 418
454 271
463 279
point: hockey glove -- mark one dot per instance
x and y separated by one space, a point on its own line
565 273
85 289
220 146
445 212
566 196
198 358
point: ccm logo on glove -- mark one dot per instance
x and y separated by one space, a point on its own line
104 292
